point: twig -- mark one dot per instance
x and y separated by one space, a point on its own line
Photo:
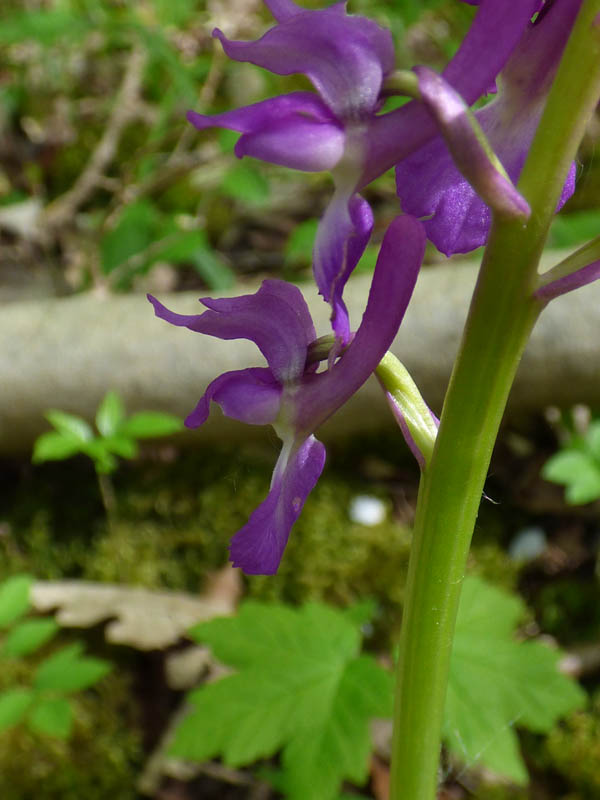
61 211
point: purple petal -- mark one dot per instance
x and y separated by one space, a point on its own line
345 57
485 49
258 547
393 282
495 31
568 283
430 185
428 182
248 395
341 239
459 130
282 9
294 130
298 143
257 116
276 318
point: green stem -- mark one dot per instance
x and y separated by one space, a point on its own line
502 314
107 493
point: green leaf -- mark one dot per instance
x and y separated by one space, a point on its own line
497 683
69 671
138 227
14 598
14 704
148 424
52 716
42 26
569 230
55 446
578 470
299 246
592 440
245 183
99 452
28 636
110 414
302 686
121 445
70 425
213 270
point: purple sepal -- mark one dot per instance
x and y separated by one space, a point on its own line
429 183
568 283
296 130
258 547
495 31
276 318
248 395
341 239
317 43
459 130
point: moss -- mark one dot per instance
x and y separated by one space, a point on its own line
573 750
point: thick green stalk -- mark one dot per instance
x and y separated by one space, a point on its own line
500 320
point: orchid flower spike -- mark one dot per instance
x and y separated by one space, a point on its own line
431 183
348 60
290 393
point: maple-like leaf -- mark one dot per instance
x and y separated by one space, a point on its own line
498 683
302 687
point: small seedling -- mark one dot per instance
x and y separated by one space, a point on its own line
117 436
577 466
44 707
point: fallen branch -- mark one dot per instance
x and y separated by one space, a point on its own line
66 353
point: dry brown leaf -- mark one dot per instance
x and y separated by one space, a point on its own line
141 618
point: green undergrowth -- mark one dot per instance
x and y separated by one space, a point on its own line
101 759
176 514
176 517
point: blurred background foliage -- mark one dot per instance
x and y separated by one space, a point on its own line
105 187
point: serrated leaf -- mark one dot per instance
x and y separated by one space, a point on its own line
52 716
54 446
70 425
497 683
14 704
28 636
302 686
69 671
147 424
14 598
110 414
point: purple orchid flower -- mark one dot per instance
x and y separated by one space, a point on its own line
290 393
429 182
348 58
